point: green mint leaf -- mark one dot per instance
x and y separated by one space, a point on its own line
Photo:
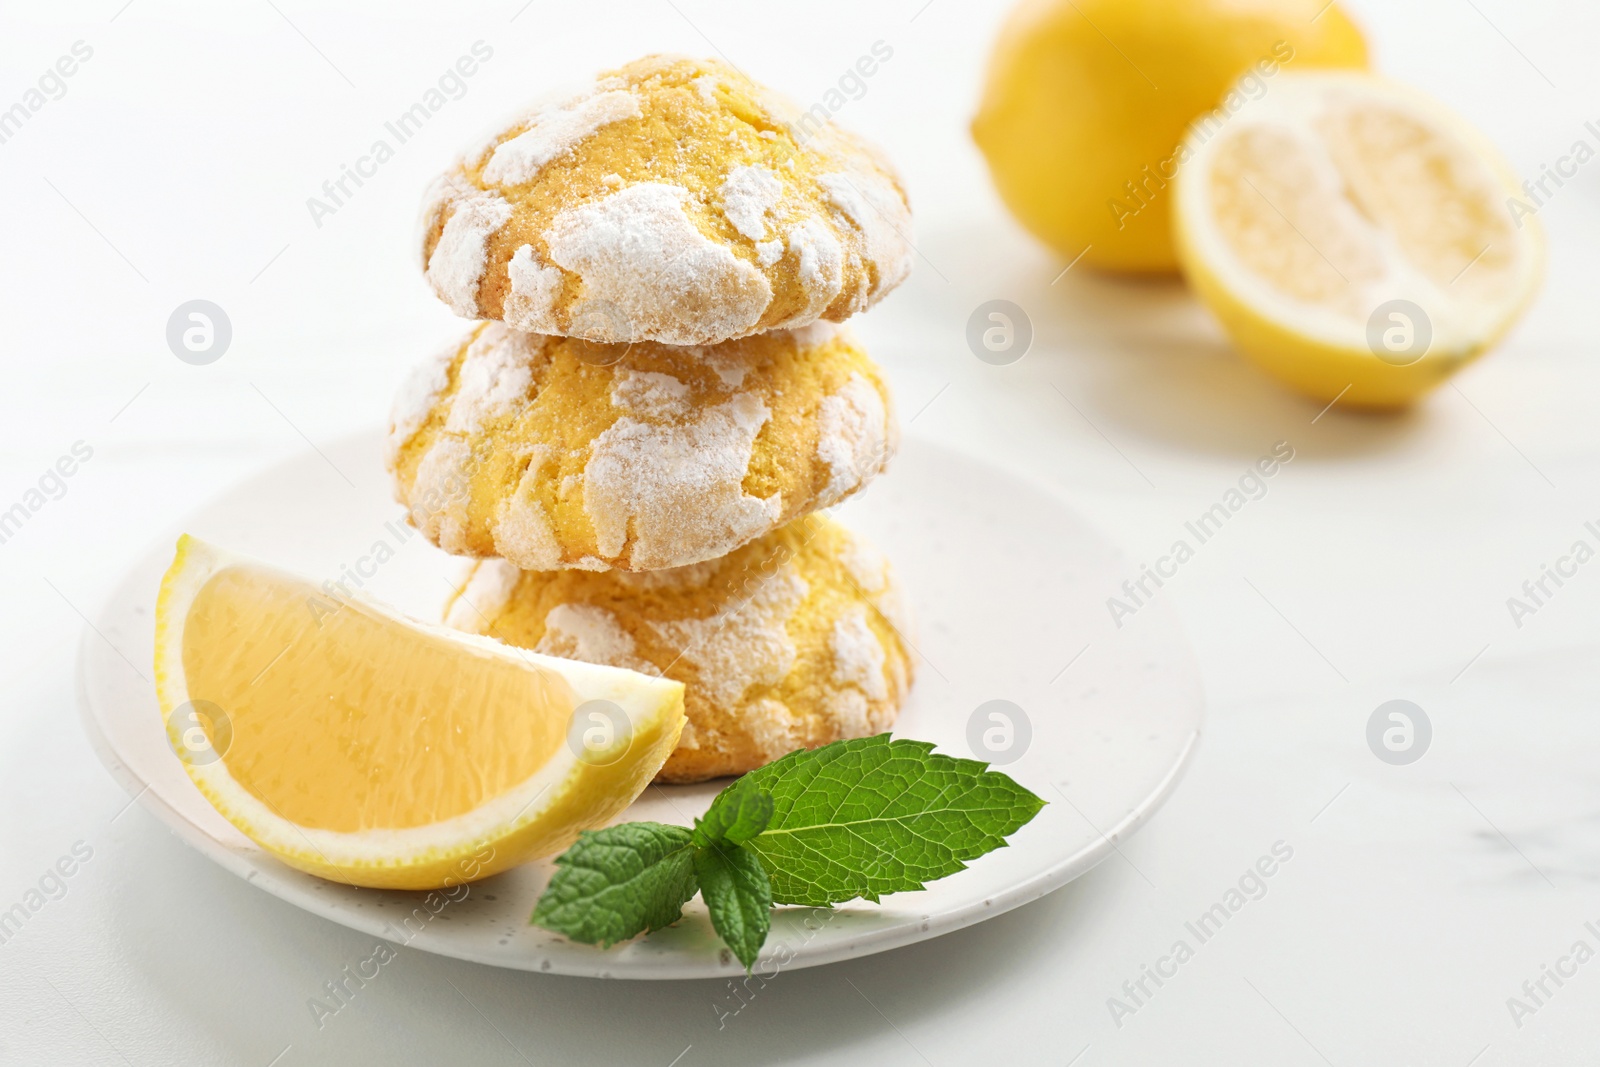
872 815
738 896
618 882
738 813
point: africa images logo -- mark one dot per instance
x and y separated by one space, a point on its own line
451 85
1251 485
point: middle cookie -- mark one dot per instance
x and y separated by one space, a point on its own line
554 452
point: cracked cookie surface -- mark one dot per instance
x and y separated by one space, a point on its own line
792 641
554 452
674 200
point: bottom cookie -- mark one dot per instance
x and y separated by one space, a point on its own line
794 640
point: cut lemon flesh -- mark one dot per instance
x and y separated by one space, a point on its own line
1354 237
370 748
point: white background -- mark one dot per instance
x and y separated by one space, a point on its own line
177 166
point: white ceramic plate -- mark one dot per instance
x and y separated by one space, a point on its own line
1008 587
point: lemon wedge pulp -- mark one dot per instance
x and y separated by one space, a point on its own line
1355 238
369 748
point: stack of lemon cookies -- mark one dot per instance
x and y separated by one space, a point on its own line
637 440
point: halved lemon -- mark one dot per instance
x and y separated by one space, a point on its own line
1084 103
1356 238
370 748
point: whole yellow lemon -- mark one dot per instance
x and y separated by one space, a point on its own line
1086 101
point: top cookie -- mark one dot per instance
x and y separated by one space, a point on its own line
675 201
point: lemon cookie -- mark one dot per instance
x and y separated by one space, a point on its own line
792 641
674 200
555 452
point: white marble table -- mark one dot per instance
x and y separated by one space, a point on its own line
1417 899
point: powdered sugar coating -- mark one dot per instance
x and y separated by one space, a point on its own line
638 252
820 268
815 334
850 712
706 86
674 488
485 594
777 645
867 566
869 571
689 576
419 392
556 453
650 393
554 132
588 633
747 195
879 213
442 192
456 266
771 724
522 529
855 436
444 483
535 285
672 201
493 378
746 643
858 655
730 369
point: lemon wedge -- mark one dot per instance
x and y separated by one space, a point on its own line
369 748
1356 239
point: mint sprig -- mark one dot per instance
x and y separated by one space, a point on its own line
619 882
738 895
737 814
873 816
855 818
